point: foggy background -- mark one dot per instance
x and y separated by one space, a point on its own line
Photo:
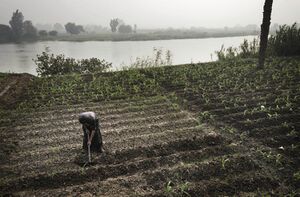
151 14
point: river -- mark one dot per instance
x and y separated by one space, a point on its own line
18 58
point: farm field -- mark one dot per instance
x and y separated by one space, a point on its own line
220 128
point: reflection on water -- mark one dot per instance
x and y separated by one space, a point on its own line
18 57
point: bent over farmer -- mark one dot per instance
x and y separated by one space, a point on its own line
91 132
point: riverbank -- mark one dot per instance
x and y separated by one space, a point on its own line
117 37
142 36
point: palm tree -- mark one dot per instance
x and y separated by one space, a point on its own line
264 32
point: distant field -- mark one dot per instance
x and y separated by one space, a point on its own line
143 36
220 128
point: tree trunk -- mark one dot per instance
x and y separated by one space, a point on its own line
264 32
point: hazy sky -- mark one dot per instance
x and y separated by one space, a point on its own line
151 13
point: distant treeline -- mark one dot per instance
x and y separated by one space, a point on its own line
20 30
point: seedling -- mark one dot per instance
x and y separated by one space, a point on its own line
183 189
228 129
297 176
223 162
169 188
278 159
206 115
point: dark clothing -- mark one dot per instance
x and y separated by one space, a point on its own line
90 122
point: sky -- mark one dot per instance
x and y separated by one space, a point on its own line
151 13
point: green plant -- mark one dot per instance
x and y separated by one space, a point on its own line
248 49
50 65
228 129
223 162
204 116
286 41
272 157
183 188
169 188
180 189
278 159
296 176
156 60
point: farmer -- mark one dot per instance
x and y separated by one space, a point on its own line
91 132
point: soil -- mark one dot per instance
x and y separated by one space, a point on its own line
144 151
155 145
13 88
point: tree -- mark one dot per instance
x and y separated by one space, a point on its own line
135 28
16 24
5 33
80 28
72 28
114 24
43 33
53 33
58 27
125 29
30 32
264 32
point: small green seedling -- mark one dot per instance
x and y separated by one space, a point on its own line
223 162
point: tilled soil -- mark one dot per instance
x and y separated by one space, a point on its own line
194 130
13 88
150 145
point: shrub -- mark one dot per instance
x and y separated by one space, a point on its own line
49 65
248 49
159 58
286 41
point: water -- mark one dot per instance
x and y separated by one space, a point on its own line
17 58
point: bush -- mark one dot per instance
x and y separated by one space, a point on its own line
159 58
286 41
49 65
248 49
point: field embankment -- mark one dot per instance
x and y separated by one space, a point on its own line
221 128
